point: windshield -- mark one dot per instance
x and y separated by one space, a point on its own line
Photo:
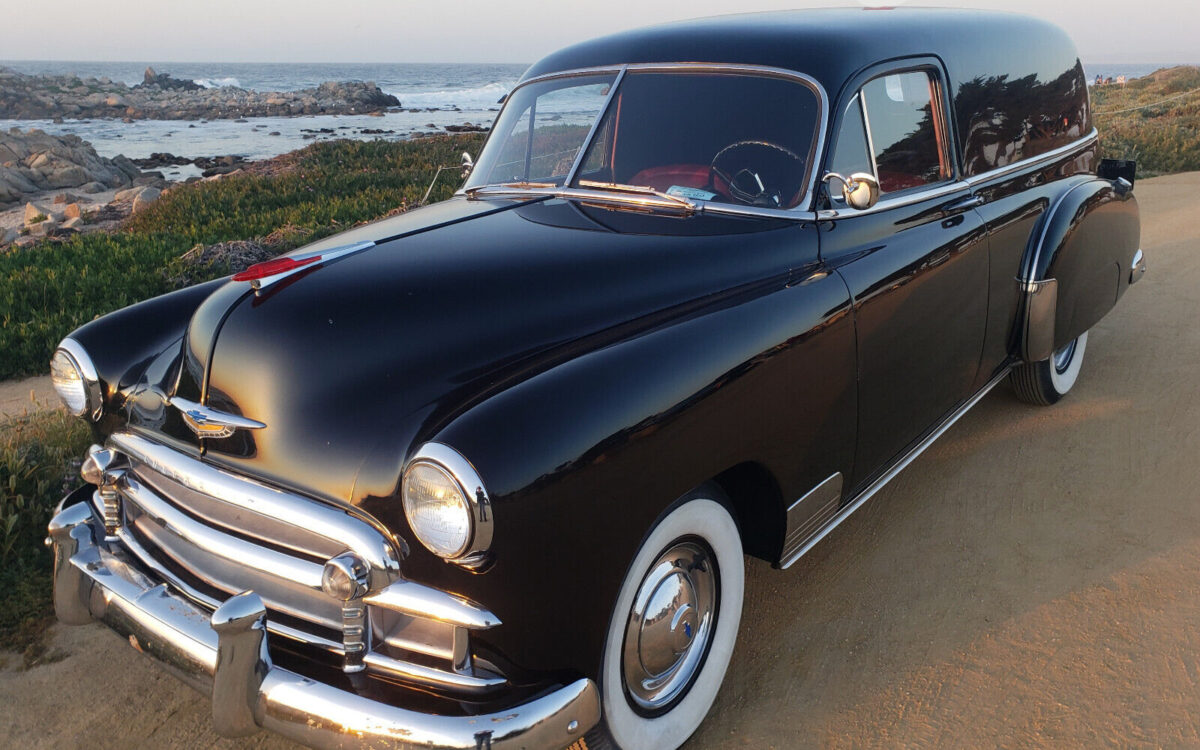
541 130
720 137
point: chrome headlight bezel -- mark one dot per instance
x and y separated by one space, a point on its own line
474 496
75 356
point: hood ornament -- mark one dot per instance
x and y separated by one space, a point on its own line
210 423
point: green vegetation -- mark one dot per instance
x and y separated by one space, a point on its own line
1162 138
36 470
51 288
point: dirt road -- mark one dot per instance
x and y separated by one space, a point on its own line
1032 580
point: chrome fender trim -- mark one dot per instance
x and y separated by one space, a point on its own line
1038 320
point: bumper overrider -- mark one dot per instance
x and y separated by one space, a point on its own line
225 655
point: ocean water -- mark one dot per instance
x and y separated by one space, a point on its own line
442 93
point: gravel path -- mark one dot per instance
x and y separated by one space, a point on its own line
1029 581
19 397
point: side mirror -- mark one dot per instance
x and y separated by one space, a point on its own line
860 190
467 165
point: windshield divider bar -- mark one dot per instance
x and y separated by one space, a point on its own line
587 142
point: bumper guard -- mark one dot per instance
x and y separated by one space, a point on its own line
226 656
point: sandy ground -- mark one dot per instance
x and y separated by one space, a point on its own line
20 397
1030 581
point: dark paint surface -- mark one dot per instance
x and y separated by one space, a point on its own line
596 364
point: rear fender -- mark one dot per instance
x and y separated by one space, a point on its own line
1077 264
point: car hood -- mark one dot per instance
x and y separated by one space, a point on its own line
377 350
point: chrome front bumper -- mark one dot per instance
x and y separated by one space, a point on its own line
226 656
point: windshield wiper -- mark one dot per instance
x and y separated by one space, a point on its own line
597 192
640 190
511 188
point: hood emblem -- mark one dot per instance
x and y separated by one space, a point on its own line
210 423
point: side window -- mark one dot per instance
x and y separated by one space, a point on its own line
905 130
853 150
894 129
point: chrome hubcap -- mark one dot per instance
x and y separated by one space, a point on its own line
1062 357
670 625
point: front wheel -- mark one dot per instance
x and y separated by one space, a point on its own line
674 625
1045 383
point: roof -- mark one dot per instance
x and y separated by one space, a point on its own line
831 45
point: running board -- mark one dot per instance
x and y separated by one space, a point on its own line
800 549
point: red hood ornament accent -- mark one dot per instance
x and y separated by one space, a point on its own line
262 275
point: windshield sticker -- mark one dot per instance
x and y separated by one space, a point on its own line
694 193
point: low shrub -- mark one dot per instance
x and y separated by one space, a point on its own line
51 288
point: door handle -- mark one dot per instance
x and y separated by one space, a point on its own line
965 204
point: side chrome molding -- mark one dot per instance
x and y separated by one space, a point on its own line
859 500
807 515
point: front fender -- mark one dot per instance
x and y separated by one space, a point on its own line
581 460
1076 265
122 343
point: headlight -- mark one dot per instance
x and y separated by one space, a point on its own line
446 505
74 378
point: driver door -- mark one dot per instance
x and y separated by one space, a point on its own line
915 264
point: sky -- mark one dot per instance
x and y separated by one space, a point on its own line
519 31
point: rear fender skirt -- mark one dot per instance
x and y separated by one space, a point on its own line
1075 267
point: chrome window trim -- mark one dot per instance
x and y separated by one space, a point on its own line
801 211
971 183
587 141
1017 166
862 105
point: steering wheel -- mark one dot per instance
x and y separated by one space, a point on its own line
758 173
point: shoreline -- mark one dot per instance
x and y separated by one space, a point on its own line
161 97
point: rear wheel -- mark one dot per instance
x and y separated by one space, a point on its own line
1045 383
674 625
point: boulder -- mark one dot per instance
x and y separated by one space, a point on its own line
92 188
33 215
127 195
72 211
74 223
145 198
43 228
8 235
64 198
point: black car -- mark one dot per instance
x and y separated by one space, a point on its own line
483 474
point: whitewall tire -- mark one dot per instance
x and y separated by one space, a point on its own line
674 626
1045 383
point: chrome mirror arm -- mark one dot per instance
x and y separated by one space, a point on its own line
860 190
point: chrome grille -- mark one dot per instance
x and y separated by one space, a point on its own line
212 534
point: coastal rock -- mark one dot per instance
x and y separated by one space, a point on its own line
62 198
92 188
161 97
72 211
127 196
151 79
147 196
33 161
73 223
33 215
9 235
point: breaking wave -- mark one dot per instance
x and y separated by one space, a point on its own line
216 83
482 97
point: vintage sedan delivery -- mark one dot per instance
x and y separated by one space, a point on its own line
483 475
